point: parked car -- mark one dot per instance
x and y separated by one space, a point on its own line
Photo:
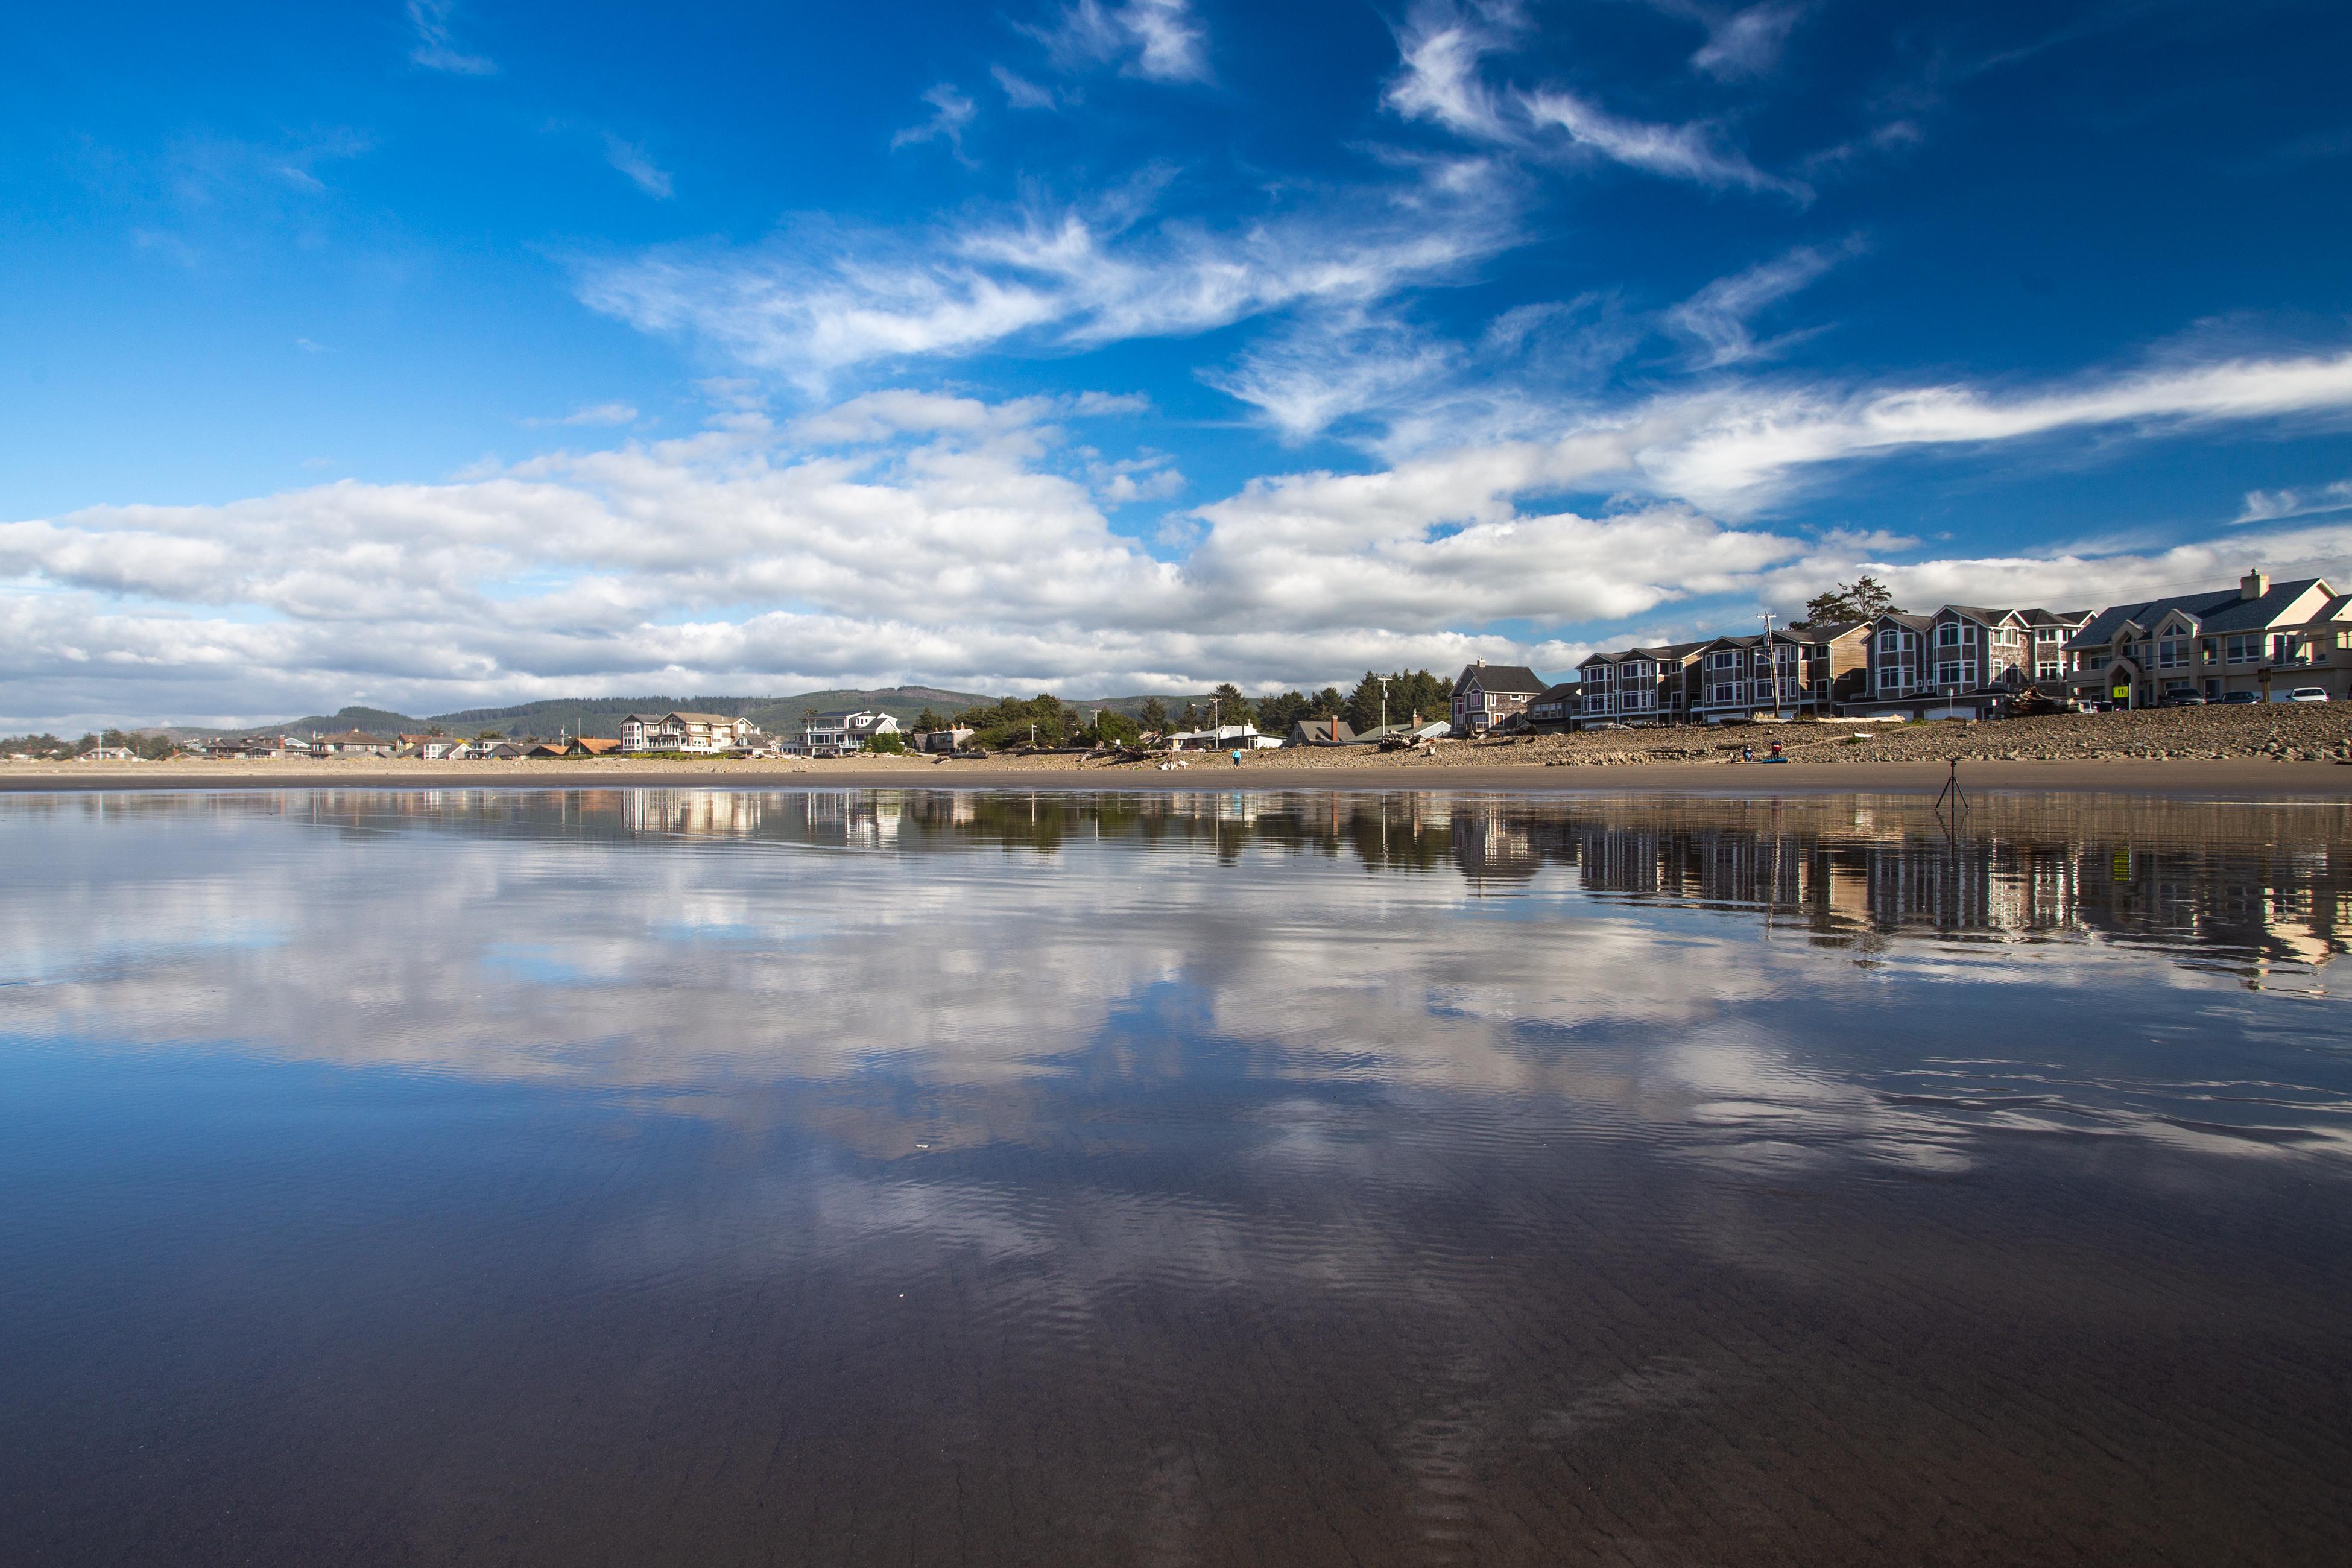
2307 694
2181 699
2231 699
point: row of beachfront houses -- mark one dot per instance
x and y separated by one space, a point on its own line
675 733
2261 641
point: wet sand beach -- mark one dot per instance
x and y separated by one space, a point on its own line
1290 1174
2238 778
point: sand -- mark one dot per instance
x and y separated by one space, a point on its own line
2229 778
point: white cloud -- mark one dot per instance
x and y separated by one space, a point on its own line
1020 91
1738 449
436 50
1439 48
2268 506
634 160
814 302
950 112
1718 317
909 535
1747 42
1333 364
1158 40
1676 151
595 413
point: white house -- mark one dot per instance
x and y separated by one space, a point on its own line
839 734
1225 738
709 734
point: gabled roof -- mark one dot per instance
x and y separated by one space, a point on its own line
1323 729
1557 691
1901 618
1503 678
2221 610
704 718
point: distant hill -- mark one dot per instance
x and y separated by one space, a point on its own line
602 715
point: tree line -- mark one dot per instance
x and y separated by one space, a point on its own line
1050 720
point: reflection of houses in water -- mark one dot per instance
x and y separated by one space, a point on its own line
2010 869
697 812
1490 844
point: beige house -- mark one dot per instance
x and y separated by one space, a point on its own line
2261 642
1786 673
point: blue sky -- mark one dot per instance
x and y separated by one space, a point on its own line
428 354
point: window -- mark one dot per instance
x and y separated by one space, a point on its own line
2242 650
2210 650
1723 661
1724 694
2169 654
1948 635
1948 674
1890 640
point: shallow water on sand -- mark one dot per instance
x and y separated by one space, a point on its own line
829 1176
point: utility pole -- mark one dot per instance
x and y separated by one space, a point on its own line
1384 701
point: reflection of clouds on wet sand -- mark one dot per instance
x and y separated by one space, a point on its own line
1003 958
1502 1178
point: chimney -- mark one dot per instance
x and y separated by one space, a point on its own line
2253 585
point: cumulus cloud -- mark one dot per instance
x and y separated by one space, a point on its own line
1158 40
634 162
817 300
436 47
911 534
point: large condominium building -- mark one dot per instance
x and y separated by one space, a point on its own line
1964 661
2263 640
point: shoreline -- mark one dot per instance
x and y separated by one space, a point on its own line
2236 778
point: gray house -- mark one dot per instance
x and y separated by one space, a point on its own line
1487 694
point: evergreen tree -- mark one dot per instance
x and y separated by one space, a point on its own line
1864 599
1233 708
1155 715
1276 714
